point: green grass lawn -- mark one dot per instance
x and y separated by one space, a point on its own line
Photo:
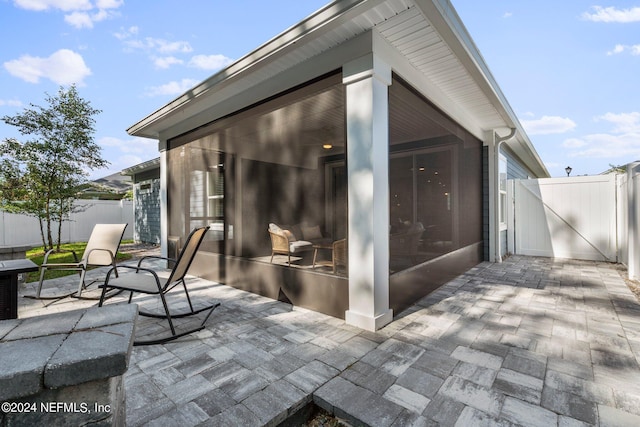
65 255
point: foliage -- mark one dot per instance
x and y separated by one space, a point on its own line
128 195
41 176
64 255
617 169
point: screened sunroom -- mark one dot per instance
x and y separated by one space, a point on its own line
345 166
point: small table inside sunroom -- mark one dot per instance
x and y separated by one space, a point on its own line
322 263
9 271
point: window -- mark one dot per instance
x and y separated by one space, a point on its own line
262 165
215 192
435 182
144 187
502 182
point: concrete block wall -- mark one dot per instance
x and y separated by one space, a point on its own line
66 368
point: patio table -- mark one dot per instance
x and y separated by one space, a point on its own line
9 271
324 263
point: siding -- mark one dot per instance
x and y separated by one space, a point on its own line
515 170
147 212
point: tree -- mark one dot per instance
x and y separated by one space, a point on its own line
41 176
617 169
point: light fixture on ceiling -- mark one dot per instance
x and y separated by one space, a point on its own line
327 146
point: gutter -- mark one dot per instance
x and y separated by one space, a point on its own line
496 202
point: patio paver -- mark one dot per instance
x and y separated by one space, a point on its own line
530 341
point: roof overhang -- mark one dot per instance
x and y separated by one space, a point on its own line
423 40
142 167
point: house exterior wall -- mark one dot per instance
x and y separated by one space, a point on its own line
281 186
515 170
368 58
271 165
146 196
435 178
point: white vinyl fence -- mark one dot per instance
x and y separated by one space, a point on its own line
22 230
588 217
567 217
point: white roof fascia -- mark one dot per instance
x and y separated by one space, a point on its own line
237 86
142 167
234 97
444 18
418 80
322 21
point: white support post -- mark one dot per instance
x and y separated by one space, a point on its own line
633 218
367 109
492 164
164 215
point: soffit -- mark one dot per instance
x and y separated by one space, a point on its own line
400 22
441 57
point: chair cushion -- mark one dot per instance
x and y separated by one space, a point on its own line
289 235
311 233
300 246
292 232
275 228
296 231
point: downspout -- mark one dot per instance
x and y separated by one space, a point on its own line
496 173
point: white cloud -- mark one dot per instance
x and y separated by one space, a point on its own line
612 14
129 146
109 4
10 103
86 20
574 143
622 141
172 88
127 152
63 67
210 62
167 61
163 53
620 48
624 122
156 45
507 15
79 20
125 33
616 50
64 5
83 13
610 146
548 125
128 160
164 46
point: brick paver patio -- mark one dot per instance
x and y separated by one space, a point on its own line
530 341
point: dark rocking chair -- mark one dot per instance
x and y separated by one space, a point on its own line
146 281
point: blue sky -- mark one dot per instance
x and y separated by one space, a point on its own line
569 69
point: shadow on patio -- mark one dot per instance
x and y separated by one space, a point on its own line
530 341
